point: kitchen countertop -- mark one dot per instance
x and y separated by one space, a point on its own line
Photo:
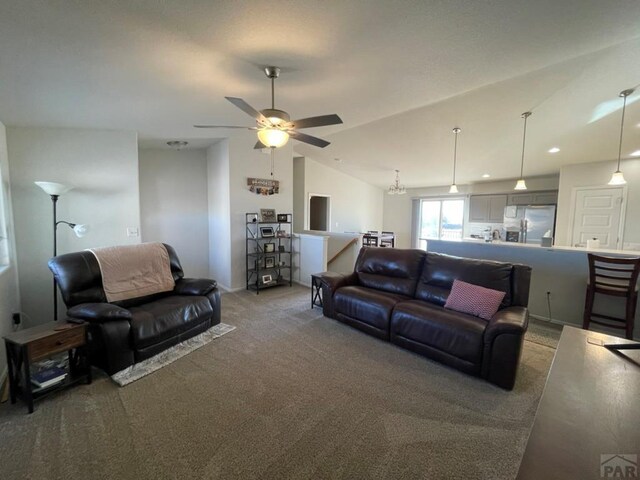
496 244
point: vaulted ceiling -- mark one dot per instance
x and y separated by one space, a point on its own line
400 74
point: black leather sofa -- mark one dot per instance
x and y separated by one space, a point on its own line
399 295
126 332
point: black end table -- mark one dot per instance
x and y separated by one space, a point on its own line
317 279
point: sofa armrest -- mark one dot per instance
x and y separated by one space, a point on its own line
99 312
503 339
330 282
194 286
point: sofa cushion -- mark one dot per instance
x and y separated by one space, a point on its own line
169 316
367 305
389 269
451 332
474 299
441 270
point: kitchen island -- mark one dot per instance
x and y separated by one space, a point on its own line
558 278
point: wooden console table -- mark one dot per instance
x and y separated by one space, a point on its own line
588 418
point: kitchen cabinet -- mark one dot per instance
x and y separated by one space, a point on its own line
547 197
487 208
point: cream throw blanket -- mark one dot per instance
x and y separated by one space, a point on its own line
131 271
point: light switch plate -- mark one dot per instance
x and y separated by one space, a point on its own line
132 232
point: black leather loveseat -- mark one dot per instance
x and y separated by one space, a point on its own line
399 295
126 332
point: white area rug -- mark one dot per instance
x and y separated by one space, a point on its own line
150 365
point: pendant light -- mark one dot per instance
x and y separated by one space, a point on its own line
617 178
520 184
454 187
396 188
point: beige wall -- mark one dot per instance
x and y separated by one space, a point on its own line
597 175
355 205
102 165
173 205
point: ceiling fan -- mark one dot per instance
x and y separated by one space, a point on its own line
274 126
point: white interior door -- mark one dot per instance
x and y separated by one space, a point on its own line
598 214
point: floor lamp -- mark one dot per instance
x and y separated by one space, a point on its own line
54 190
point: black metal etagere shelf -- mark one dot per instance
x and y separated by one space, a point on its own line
268 252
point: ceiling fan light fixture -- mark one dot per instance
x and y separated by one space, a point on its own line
520 185
276 117
453 188
273 137
618 178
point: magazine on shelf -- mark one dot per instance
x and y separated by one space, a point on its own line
47 377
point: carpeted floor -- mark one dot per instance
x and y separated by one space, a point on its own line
288 395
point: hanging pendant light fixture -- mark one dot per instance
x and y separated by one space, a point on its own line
618 178
520 184
454 187
396 188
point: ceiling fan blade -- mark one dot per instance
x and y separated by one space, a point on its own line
303 137
224 126
259 145
246 108
319 121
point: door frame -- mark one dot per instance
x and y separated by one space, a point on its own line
307 210
572 211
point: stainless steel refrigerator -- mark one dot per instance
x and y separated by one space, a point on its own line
528 224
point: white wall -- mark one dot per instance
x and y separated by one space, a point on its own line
219 213
102 165
598 174
174 205
298 194
356 206
397 208
9 298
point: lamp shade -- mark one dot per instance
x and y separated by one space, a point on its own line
520 185
273 137
81 230
617 178
52 188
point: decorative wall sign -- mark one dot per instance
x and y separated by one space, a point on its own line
263 186
267 215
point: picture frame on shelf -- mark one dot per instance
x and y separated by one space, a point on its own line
269 247
267 232
267 279
282 249
283 218
267 215
281 234
269 262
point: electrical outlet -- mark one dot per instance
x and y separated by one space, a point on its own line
132 232
16 318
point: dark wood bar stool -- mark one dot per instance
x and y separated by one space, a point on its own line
617 277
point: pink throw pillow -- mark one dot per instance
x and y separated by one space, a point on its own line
473 299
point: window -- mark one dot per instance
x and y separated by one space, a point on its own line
440 219
4 240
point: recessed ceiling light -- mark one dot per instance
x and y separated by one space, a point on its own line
554 150
636 153
485 175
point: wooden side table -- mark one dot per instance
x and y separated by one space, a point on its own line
27 346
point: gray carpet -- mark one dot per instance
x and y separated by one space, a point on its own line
289 395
